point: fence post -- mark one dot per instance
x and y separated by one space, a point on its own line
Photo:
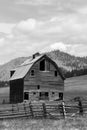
31 111
80 107
63 109
44 110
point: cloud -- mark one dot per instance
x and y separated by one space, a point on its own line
62 26
73 49
42 25
34 2
67 3
27 25
78 50
83 10
56 46
67 33
60 46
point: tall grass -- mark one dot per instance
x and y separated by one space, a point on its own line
79 123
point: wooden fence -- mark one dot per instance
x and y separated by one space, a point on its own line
54 110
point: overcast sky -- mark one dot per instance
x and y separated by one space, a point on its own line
28 26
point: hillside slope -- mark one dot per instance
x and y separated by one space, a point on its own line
5 69
67 61
64 60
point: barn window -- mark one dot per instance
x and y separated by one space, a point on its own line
42 65
47 65
53 93
55 73
34 93
12 72
61 96
44 95
26 96
38 86
32 72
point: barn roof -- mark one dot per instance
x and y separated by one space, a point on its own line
22 70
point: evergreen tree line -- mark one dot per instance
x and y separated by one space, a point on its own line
75 72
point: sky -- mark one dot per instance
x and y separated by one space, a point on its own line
30 26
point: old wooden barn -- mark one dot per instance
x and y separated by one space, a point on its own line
38 78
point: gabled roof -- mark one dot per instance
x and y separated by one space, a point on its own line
23 69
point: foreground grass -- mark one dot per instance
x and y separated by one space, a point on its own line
79 123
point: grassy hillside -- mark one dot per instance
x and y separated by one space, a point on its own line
64 60
76 86
5 69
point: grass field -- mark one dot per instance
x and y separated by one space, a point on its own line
76 86
4 95
79 123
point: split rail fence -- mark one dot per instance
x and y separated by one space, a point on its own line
54 110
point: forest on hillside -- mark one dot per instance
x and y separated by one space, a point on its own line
75 72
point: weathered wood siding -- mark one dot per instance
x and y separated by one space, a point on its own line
53 96
46 79
33 96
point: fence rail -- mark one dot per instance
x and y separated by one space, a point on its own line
56 109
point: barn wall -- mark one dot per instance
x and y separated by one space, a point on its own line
33 96
53 96
45 79
16 91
